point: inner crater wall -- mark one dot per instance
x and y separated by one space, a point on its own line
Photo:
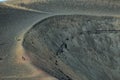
76 47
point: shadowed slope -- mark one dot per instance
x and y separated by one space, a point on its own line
76 47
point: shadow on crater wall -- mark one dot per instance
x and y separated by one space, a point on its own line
76 47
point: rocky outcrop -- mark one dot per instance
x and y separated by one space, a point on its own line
76 47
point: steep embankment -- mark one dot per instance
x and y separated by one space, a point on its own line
76 47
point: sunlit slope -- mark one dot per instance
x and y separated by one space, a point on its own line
14 64
90 7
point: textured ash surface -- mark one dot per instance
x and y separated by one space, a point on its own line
76 47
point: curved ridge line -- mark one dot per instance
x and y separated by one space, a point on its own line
23 8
